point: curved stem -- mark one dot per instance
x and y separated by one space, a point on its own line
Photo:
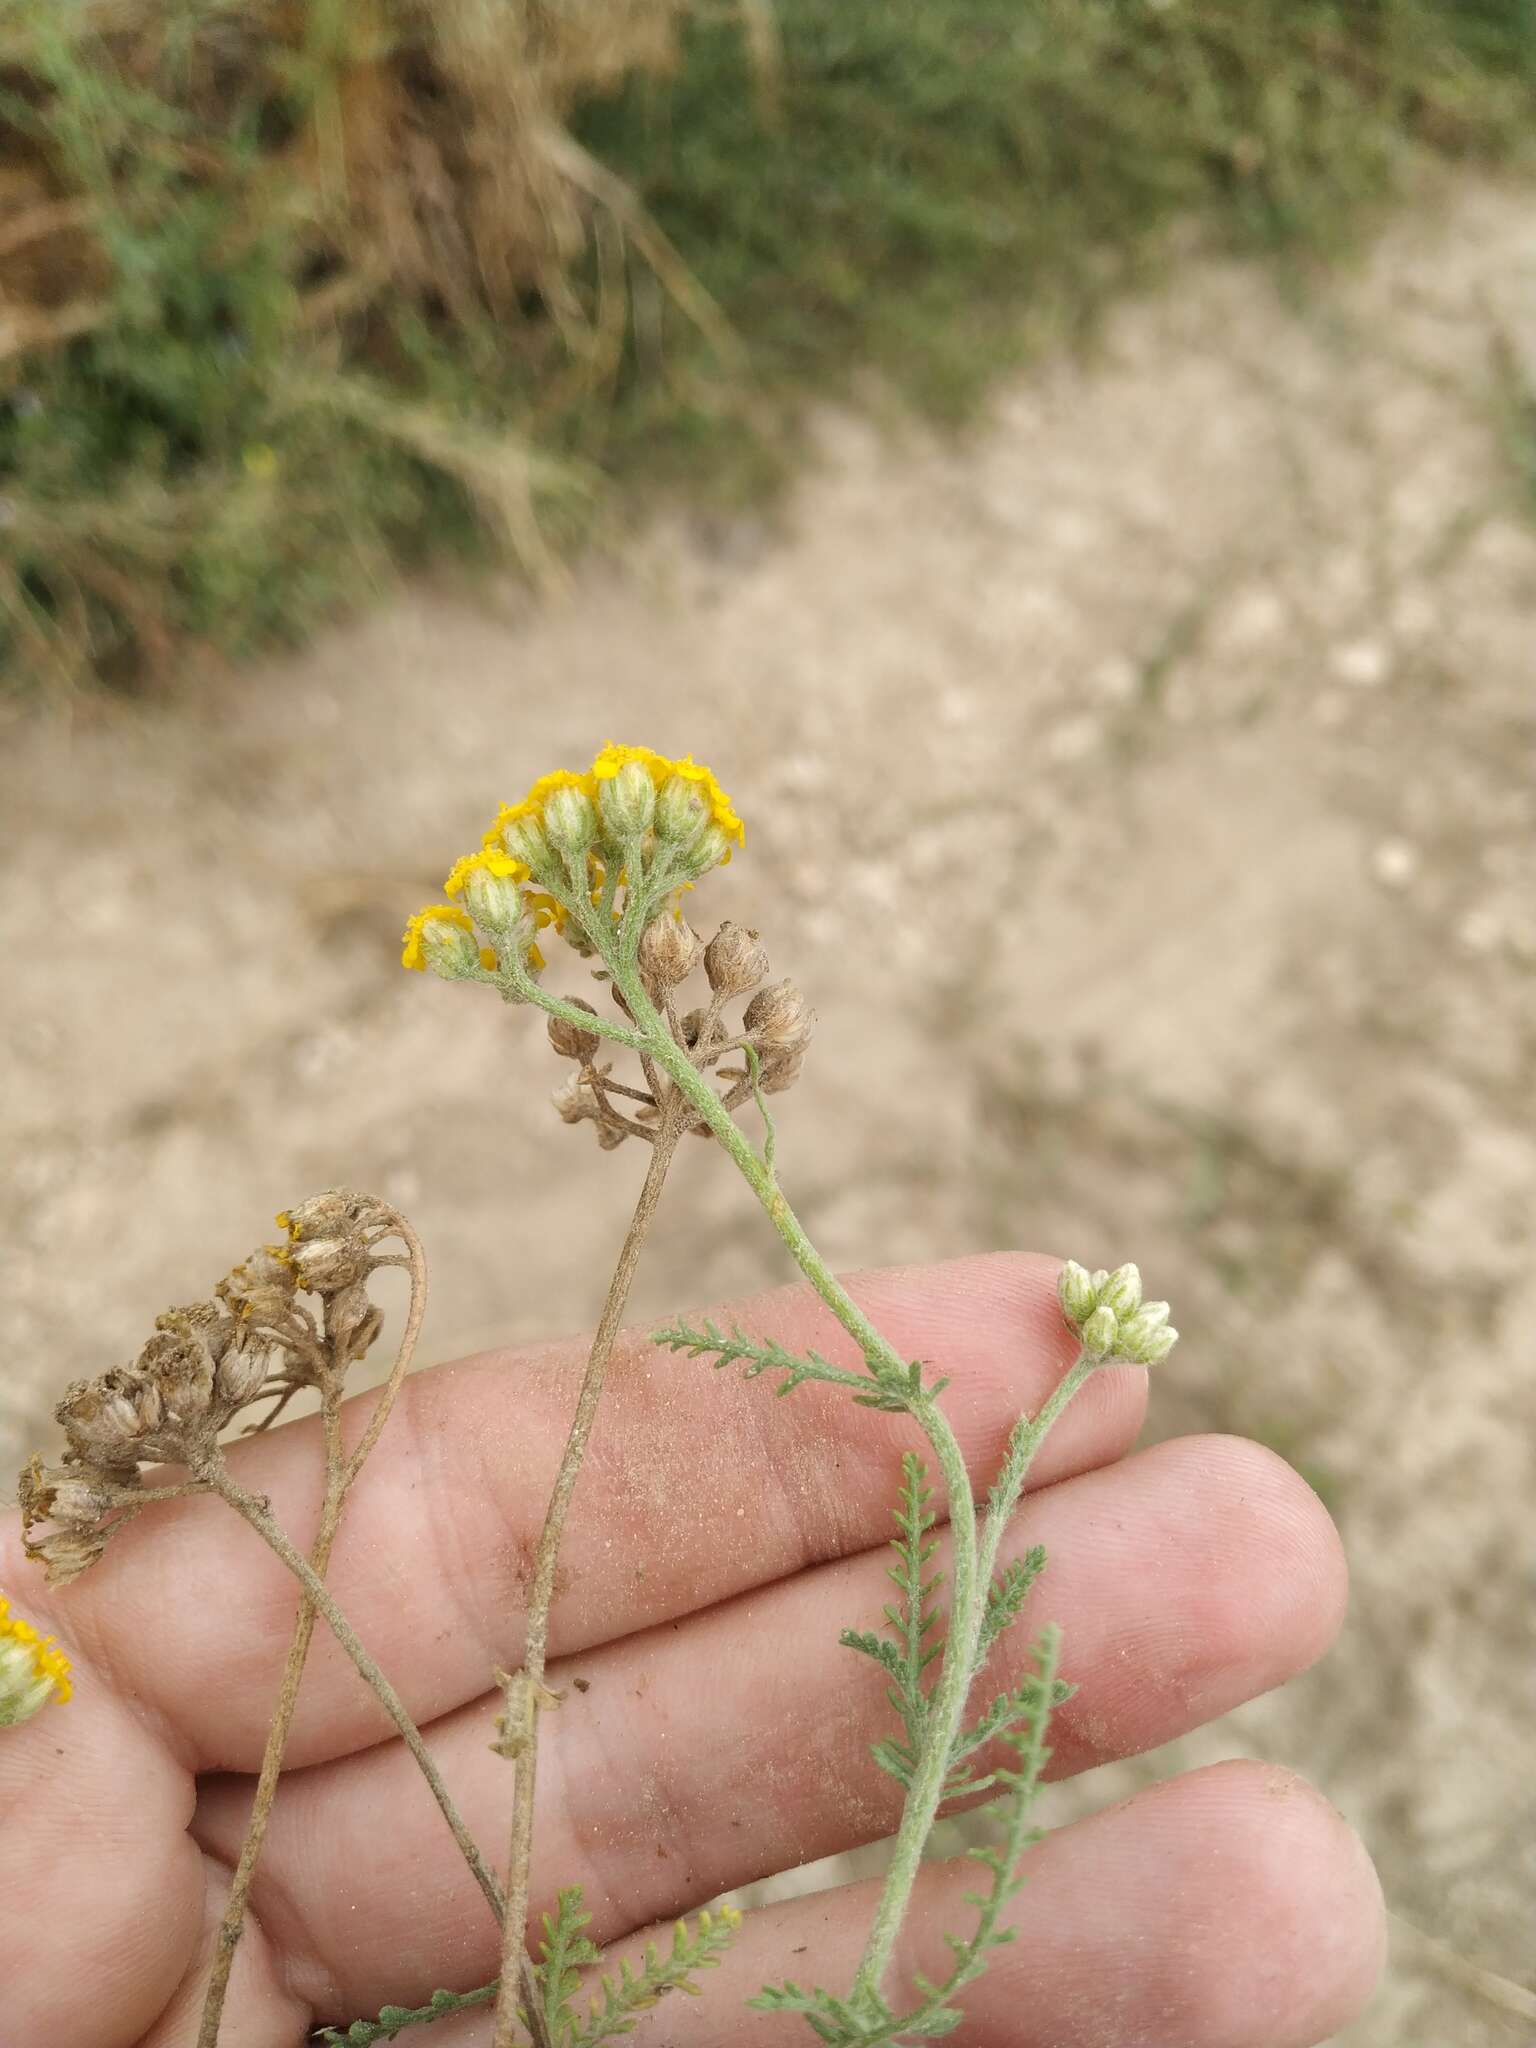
232 1926
525 1692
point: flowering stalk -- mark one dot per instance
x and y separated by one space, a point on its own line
600 857
525 1691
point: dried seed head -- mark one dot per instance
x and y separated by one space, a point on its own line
68 1552
669 951
570 1040
327 1264
778 1019
690 1027
628 802
610 1137
735 960
781 1073
241 1375
575 1100
261 1288
102 1420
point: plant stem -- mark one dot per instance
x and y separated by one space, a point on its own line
1028 1435
525 1694
946 1708
233 1923
259 1515
340 1472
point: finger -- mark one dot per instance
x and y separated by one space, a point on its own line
694 1489
93 1818
1229 1908
261 2008
707 1753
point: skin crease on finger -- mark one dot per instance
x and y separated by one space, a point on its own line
1231 1907
658 1793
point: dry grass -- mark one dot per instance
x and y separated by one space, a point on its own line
296 292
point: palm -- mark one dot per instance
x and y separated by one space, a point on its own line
712 1732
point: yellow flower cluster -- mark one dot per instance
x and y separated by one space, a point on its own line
415 955
660 767
481 879
32 1670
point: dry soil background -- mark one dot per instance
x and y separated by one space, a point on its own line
1145 792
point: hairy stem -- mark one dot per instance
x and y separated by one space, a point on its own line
947 1706
255 1511
232 1925
525 1693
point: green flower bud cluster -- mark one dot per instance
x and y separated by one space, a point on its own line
1110 1317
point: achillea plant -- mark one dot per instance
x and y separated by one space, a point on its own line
604 863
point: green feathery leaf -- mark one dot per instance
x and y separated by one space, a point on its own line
620 1999
394 2019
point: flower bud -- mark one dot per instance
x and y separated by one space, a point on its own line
778 1019
1076 1292
570 1040
710 850
681 812
1121 1291
1098 1332
1146 1337
669 950
32 1670
735 960
449 948
570 822
525 840
493 900
628 802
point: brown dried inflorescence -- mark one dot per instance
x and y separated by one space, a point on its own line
775 1029
203 1366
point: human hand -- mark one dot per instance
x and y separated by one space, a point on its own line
712 1730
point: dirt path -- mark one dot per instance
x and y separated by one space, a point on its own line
1145 792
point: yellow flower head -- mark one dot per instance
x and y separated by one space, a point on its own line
532 805
613 757
492 860
32 1670
415 953
661 769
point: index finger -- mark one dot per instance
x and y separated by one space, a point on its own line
695 1488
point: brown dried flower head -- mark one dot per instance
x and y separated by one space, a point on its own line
669 951
735 960
568 1039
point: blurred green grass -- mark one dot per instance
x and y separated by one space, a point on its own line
904 196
